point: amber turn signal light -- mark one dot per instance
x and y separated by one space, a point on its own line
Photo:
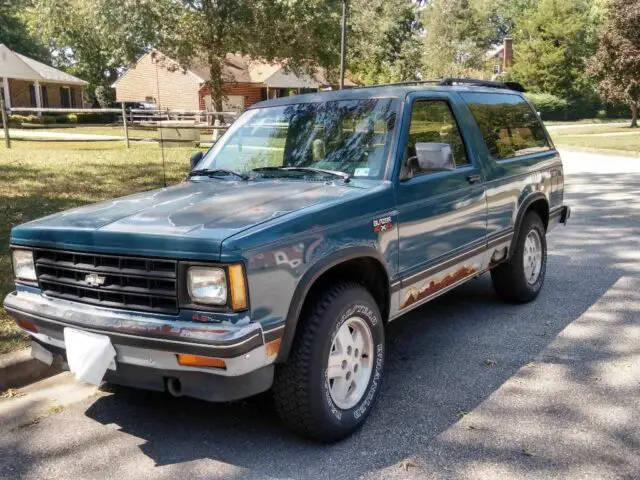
188 360
238 287
272 348
27 325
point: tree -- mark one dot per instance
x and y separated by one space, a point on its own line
552 42
384 43
302 33
616 65
15 34
458 36
95 39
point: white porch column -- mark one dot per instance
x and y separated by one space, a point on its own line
7 94
36 87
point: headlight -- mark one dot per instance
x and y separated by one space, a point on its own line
23 267
207 285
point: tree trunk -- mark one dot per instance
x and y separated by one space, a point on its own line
216 84
634 115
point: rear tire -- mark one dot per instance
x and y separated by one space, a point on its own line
344 325
520 279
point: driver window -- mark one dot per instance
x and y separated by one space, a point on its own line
432 122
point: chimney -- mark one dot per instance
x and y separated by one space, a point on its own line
507 53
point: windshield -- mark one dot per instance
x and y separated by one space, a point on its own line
350 136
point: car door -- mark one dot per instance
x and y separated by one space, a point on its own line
442 215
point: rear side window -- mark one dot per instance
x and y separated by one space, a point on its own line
508 124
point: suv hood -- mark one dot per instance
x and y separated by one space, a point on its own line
189 220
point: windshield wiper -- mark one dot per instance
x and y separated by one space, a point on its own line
320 171
217 172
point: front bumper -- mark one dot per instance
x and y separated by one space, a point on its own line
146 346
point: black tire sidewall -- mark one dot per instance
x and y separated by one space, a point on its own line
352 302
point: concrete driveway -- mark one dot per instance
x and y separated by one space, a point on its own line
474 388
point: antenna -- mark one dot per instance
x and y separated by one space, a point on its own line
164 170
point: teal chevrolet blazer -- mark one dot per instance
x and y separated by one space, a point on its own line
309 226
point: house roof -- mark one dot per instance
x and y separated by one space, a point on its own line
242 69
14 65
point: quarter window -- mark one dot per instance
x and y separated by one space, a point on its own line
432 121
508 124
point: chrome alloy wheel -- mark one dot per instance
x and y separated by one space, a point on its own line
350 363
532 256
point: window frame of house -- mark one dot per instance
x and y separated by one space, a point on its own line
497 69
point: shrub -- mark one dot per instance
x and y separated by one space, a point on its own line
62 119
549 106
48 119
98 117
73 118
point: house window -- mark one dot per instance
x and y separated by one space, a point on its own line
496 69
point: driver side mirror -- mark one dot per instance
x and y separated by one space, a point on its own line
434 157
195 159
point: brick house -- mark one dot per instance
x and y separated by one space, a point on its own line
26 83
159 80
500 58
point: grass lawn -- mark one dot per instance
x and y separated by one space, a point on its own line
588 120
605 137
621 143
37 179
134 133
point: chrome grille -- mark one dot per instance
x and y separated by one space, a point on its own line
132 283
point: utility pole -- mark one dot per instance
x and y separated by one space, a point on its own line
343 46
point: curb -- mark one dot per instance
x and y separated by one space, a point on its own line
20 368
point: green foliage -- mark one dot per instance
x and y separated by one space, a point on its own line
15 34
305 33
105 96
92 39
384 43
458 36
95 118
616 65
552 41
549 106
552 107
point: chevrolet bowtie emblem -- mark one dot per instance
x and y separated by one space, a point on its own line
94 280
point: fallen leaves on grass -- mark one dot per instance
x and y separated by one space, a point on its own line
12 393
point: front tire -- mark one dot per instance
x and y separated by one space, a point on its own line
330 382
520 279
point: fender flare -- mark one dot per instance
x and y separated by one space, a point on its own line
524 206
308 279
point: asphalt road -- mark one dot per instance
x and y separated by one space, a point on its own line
474 388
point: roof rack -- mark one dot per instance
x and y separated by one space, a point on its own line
449 82
483 83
